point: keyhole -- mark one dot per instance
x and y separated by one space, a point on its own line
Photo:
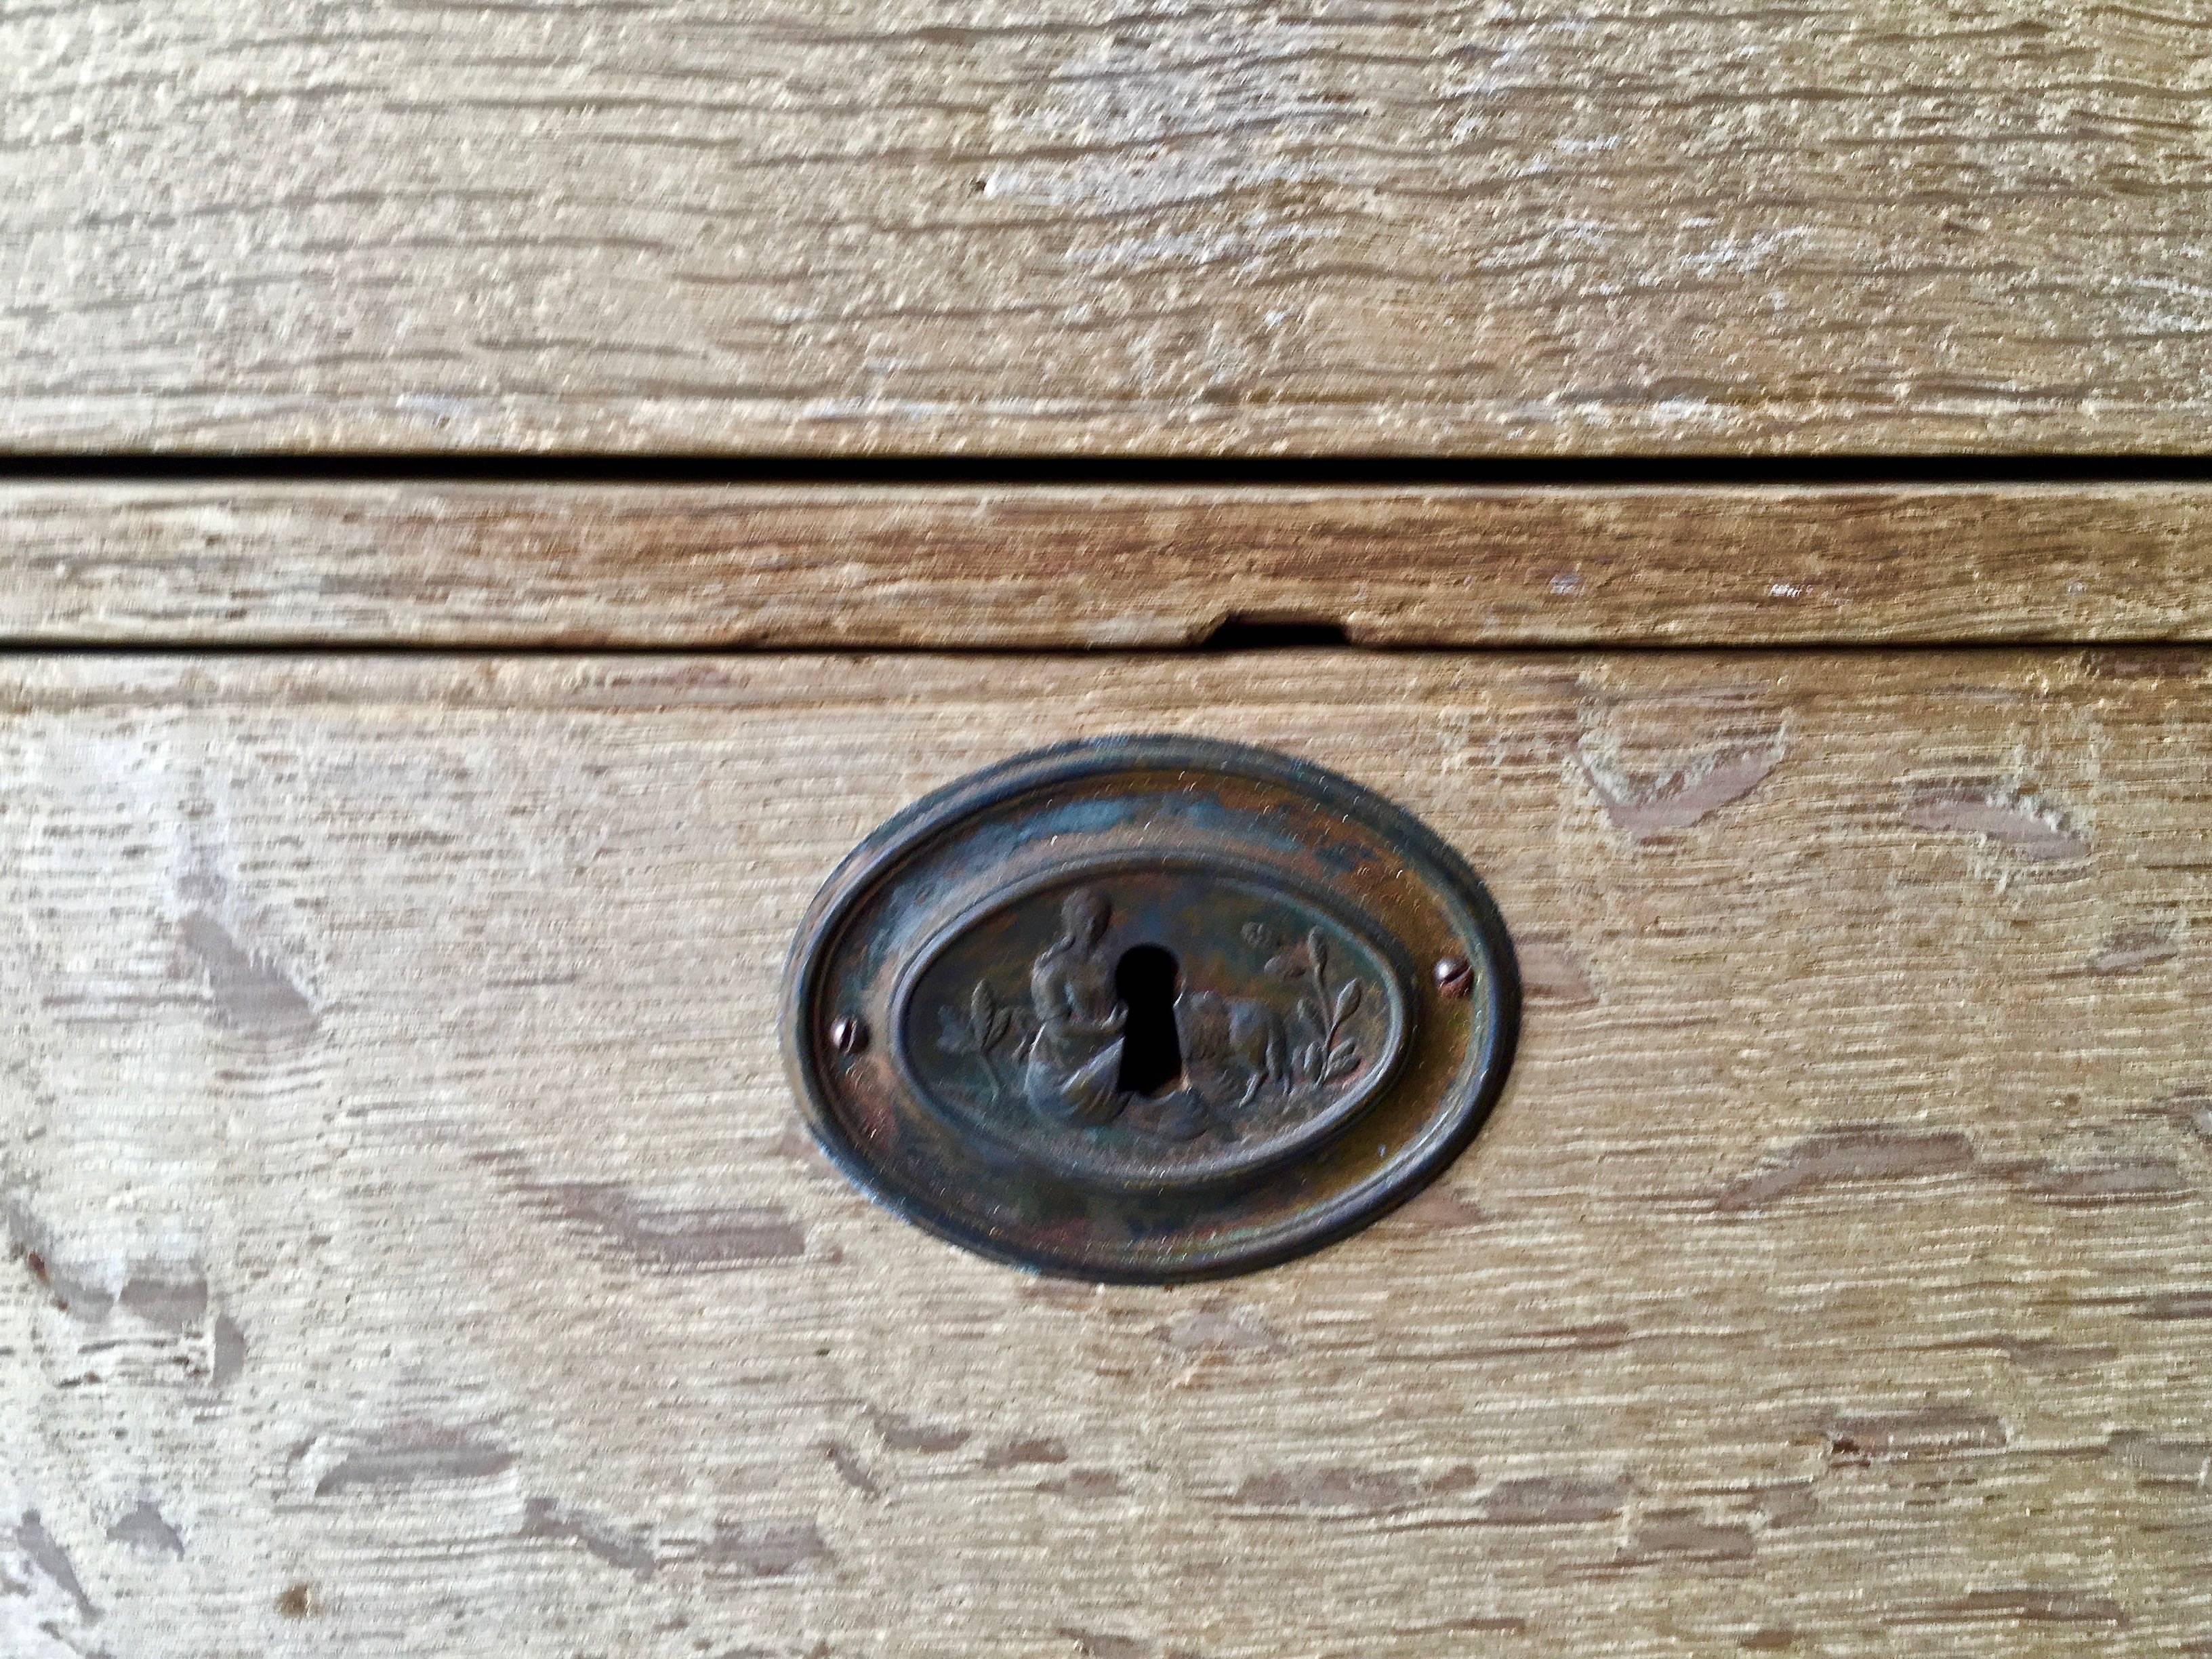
1151 1054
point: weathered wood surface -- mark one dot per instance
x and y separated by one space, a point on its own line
411 1247
245 562
1890 225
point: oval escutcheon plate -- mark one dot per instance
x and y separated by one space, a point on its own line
1148 1009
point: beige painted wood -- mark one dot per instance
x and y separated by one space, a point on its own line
246 562
411 1249
1888 225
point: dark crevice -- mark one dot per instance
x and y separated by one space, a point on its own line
1689 471
1254 633
2179 646
1151 1051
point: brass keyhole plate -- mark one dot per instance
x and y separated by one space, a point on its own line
1147 1009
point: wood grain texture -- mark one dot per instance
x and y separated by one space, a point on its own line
501 565
907 225
411 1249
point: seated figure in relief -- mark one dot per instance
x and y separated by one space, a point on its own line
1074 1067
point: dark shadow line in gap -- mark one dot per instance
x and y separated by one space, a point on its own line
1041 472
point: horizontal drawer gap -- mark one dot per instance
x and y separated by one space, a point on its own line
2124 659
1033 471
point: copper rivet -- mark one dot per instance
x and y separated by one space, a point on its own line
848 1035
1454 977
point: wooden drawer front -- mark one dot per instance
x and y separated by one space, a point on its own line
413 1247
1557 227
264 561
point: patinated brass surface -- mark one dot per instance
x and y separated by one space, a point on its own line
1149 1009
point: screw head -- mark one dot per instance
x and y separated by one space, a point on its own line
848 1035
1454 977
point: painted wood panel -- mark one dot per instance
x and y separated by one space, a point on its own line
907 226
411 1246
260 562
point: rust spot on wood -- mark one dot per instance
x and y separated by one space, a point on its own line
669 1237
413 1456
295 1601
1852 1156
73 1295
250 993
1771 1638
174 1301
1997 812
1645 807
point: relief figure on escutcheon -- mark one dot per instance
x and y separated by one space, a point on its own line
1072 1075
1278 1029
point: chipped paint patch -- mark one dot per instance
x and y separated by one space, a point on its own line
1647 806
250 992
51 1562
2162 1462
1348 1488
1220 1330
1850 1157
2116 1180
1671 1535
768 1549
547 1519
146 1530
1551 972
409 1457
2010 818
632 1226
1014 1454
1548 1501
1937 1431
900 1433
2132 949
